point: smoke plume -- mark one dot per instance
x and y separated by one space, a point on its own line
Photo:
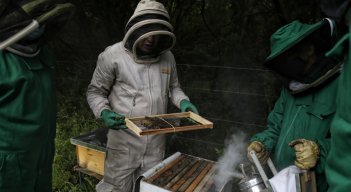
228 163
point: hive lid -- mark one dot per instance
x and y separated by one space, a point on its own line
95 140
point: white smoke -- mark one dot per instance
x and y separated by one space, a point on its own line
226 167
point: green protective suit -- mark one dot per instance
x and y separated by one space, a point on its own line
293 117
27 122
338 167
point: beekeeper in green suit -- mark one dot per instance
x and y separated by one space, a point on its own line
298 127
338 162
338 168
27 94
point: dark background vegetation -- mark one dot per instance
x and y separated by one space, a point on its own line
221 45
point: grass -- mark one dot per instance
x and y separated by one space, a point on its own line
73 119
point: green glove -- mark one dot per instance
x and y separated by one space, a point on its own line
113 120
185 105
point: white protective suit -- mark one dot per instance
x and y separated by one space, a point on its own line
135 85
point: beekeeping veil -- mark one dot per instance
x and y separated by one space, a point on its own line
295 39
27 24
150 18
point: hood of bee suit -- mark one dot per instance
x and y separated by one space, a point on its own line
286 39
29 24
150 18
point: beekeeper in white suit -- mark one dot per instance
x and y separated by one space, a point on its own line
135 77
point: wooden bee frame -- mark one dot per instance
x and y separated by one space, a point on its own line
202 123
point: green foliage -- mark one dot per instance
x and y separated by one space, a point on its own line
73 120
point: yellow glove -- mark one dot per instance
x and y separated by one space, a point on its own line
261 153
307 153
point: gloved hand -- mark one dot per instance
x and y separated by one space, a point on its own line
113 120
185 105
261 153
307 153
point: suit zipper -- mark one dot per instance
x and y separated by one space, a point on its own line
289 129
150 93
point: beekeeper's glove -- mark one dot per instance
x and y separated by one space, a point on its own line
307 153
261 153
113 120
185 105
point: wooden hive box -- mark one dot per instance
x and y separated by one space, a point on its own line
90 152
182 172
173 122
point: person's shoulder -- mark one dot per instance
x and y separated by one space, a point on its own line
284 92
112 50
168 55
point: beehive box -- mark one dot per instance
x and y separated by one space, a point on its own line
167 123
181 172
90 152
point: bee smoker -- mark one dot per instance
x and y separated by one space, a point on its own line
251 181
255 182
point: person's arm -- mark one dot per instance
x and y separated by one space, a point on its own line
176 93
100 85
338 168
270 136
